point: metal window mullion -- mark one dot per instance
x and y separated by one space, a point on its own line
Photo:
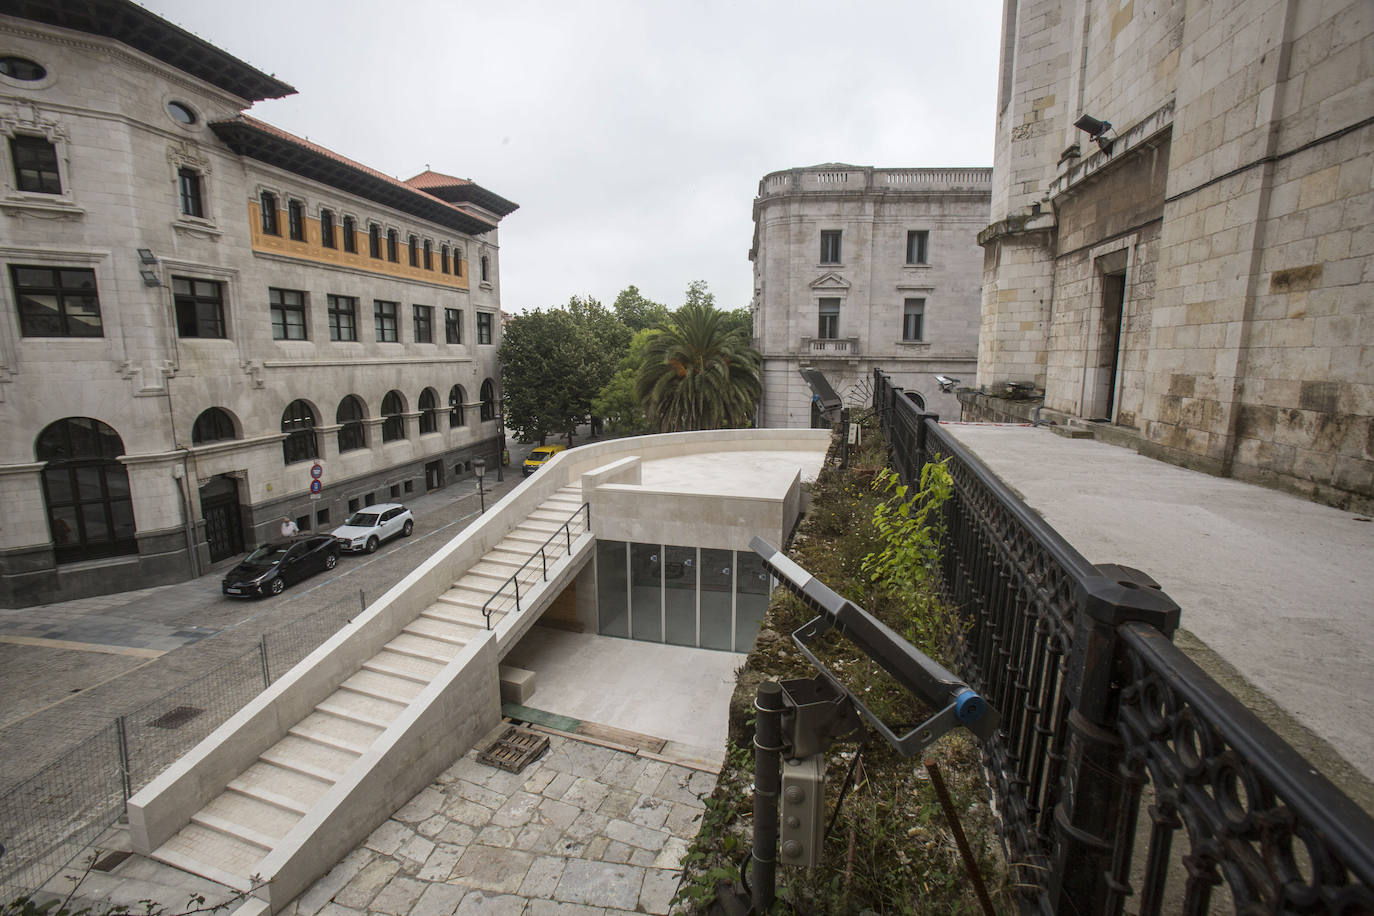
734 595
663 593
629 595
697 602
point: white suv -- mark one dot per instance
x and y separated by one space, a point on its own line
367 528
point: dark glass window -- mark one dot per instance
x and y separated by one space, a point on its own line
486 268
295 220
830 246
443 258
429 255
374 240
913 319
384 313
393 423
188 183
288 313
391 240
457 261
413 246
453 326
35 165
488 399
350 419
429 411
350 234
21 68
56 301
456 397
181 112
484 327
327 229
343 318
298 422
917 243
424 323
267 203
86 490
829 325
199 307
213 425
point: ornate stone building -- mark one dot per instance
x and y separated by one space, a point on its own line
1195 275
857 267
197 309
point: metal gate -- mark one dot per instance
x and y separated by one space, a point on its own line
219 504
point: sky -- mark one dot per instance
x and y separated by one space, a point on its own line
633 135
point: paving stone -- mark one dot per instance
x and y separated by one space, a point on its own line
683 820
585 826
440 863
648 781
467 767
416 850
439 900
586 793
468 812
618 853
600 884
676 785
358 893
672 853
649 811
319 894
587 759
478 902
556 813
432 826
635 835
596 848
558 908
490 868
425 804
388 838
333 909
622 771
542 878
491 835
397 897
656 893
618 803
517 810
479 794
643 857
701 784
504 781
560 783
538 838
457 834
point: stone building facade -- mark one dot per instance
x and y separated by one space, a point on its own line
858 267
1200 276
197 309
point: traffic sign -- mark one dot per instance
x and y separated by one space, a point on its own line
316 471
316 486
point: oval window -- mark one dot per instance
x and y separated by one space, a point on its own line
181 112
21 68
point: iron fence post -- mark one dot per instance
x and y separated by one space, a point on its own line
262 656
768 706
1088 819
125 776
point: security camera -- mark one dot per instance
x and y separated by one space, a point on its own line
946 383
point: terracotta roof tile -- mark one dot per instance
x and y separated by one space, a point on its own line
432 179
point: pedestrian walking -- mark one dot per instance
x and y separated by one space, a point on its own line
288 528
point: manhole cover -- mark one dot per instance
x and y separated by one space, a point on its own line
514 750
176 718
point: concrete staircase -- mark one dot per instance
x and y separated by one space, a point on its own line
228 839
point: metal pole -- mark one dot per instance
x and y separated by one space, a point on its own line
262 654
768 707
482 495
362 601
125 778
970 865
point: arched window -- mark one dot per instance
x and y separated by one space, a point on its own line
212 425
456 397
488 398
350 419
86 490
298 422
393 423
391 243
486 269
429 411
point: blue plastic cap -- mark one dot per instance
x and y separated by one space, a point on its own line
969 706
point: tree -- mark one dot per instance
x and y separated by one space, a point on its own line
741 319
636 312
617 401
541 370
697 373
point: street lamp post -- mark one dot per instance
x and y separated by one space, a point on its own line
479 467
501 456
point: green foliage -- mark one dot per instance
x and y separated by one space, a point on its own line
636 312
719 845
616 401
195 903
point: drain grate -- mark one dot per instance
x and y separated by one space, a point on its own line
516 749
176 718
111 861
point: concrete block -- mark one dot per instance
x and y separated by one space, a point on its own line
517 684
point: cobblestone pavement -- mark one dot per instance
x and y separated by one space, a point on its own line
585 830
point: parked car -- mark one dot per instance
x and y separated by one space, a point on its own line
269 569
538 455
365 529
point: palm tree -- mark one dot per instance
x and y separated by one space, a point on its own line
698 374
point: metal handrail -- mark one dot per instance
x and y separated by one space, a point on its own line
565 530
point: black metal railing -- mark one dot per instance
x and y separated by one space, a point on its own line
558 545
1102 714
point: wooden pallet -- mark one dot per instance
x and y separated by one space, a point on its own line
516 749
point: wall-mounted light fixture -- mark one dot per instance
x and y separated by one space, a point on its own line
149 261
1096 131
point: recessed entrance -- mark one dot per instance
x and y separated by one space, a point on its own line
219 505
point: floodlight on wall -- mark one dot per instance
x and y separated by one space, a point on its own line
1096 131
150 277
146 256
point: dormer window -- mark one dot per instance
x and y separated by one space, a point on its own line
21 68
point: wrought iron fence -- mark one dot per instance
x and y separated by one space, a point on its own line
535 570
1102 714
53 816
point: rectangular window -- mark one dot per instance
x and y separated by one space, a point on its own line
188 184
413 246
830 246
350 234
199 307
343 318
267 203
917 243
327 228
35 165
384 313
424 323
913 319
443 258
829 327
56 301
374 241
429 255
391 238
484 327
288 313
453 326
457 262
295 220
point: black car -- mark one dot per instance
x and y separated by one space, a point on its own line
273 566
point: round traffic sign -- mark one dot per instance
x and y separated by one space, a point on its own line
316 486
316 471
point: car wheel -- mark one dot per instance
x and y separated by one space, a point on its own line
276 586
409 527
372 544
331 560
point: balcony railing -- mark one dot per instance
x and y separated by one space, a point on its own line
835 346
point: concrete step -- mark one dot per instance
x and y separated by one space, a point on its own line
453 630
211 854
285 788
505 559
248 818
234 830
343 733
463 598
359 707
418 670
479 581
301 751
421 647
1071 431
384 686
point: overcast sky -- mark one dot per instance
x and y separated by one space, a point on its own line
632 134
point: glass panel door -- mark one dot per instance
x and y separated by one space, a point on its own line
680 595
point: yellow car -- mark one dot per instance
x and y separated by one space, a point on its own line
538 455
